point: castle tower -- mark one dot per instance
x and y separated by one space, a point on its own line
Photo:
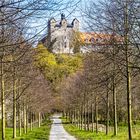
62 16
75 24
60 34
63 21
51 25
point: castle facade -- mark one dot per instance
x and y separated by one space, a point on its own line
59 35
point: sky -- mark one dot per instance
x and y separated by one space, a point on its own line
39 22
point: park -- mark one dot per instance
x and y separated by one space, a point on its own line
69 70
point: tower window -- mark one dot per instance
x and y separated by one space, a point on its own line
92 40
86 40
65 45
97 40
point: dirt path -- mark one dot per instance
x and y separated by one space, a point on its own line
57 130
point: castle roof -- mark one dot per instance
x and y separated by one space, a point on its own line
98 38
69 25
74 20
52 18
58 25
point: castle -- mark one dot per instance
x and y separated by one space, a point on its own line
59 35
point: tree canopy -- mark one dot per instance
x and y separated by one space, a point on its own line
56 66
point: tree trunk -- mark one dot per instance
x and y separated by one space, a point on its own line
24 118
114 87
14 106
2 101
107 114
31 121
74 116
69 116
39 120
78 116
84 109
82 117
128 74
92 117
114 107
96 113
19 112
66 116
88 116
19 121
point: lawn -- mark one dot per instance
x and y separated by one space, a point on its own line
84 135
41 133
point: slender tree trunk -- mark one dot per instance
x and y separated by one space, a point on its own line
79 113
114 107
96 113
128 74
63 113
71 119
19 111
129 100
82 117
107 114
14 106
74 117
2 80
79 117
92 117
24 118
88 116
70 116
2 101
39 120
31 121
85 118
114 87
66 116
19 120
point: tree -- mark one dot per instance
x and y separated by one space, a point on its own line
56 67
15 29
119 18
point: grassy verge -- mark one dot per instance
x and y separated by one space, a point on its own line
41 133
85 135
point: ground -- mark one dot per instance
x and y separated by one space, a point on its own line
57 130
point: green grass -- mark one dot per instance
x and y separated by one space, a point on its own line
41 133
85 135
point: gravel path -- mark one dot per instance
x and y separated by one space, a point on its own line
57 130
